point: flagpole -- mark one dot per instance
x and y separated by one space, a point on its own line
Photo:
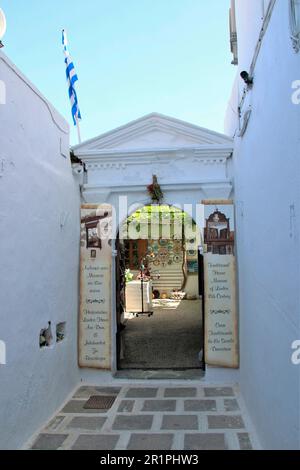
72 79
78 129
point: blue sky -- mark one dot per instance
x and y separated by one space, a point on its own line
132 57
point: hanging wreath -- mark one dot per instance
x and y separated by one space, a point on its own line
155 192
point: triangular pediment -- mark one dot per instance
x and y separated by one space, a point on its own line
154 131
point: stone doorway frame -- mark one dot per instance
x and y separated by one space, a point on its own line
119 279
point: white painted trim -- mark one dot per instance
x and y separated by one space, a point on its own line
102 193
207 151
119 164
187 186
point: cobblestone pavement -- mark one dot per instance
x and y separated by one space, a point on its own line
150 418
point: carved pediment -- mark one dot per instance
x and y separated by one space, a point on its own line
151 132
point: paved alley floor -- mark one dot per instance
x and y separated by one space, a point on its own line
171 338
150 418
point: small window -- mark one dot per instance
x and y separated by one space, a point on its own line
295 23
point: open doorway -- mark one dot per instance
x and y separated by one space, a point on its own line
160 291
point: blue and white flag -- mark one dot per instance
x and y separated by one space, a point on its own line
72 79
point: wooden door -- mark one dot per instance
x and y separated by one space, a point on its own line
120 293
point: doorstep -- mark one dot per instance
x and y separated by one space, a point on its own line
160 374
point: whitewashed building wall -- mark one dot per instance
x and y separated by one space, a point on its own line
39 251
267 193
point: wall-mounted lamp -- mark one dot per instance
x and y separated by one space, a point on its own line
246 77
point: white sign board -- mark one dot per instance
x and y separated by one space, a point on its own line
221 318
95 287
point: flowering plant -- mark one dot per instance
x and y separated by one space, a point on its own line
128 275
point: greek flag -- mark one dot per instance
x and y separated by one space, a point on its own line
72 79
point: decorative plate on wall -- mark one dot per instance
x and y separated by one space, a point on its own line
192 253
163 258
155 248
156 262
177 248
177 259
163 242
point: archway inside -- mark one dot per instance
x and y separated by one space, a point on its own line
159 291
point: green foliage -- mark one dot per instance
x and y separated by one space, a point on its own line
159 212
128 275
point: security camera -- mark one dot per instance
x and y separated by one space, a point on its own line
246 77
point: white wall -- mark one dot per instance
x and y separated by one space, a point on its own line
39 252
249 24
267 183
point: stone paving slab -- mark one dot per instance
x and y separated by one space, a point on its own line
150 442
49 441
96 442
180 392
184 422
244 441
204 442
159 405
225 422
126 406
55 423
231 404
128 423
218 392
142 393
157 417
200 405
84 423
